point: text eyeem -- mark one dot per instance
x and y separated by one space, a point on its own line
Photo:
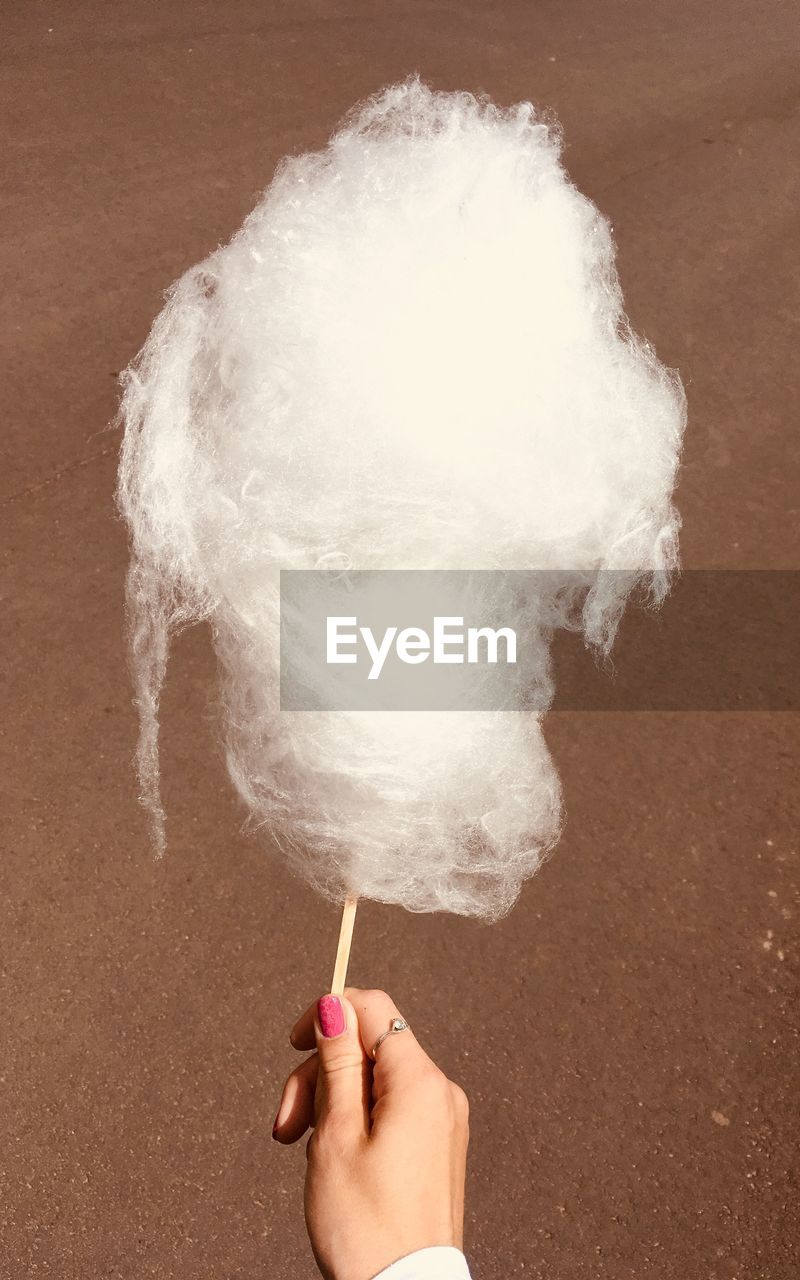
449 643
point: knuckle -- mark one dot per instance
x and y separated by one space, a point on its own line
432 1081
376 996
344 1062
296 1074
460 1102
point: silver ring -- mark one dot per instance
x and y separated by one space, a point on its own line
396 1025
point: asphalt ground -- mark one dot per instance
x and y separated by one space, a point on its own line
628 1034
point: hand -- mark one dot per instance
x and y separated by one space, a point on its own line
387 1159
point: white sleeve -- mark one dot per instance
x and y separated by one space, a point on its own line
439 1263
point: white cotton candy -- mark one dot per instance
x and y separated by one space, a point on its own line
412 355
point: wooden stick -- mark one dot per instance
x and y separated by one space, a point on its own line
343 949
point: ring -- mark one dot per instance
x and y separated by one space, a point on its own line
396 1025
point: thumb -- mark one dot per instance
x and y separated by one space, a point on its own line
342 1083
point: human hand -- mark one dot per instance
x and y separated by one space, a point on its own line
387 1159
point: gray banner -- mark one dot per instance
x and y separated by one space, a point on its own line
407 640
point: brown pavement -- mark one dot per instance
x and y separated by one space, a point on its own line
627 1035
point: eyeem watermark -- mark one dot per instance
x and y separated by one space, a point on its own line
393 640
449 643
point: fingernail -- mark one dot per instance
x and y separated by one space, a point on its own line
330 1012
280 1114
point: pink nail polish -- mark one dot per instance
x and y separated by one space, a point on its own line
330 1012
275 1126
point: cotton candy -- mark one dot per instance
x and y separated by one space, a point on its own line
413 355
